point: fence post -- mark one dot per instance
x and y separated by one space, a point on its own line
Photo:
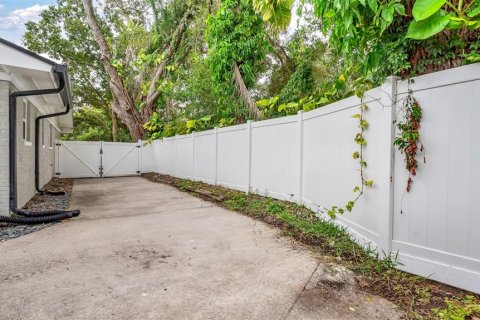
139 157
175 156
300 157
249 128
215 180
193 155
386 180
161 160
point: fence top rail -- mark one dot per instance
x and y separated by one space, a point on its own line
184 136
237 127
370 96
78 142
166 139
205 133
440 79
275 121
119 143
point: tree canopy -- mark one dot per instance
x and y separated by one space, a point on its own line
145 69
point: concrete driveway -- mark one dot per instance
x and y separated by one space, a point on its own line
142 250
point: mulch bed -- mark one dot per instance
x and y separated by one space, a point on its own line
40 203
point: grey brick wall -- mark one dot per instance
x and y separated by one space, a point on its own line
4 177
25 153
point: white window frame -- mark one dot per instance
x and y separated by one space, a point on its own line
27 136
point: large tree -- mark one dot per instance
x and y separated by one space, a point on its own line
237 46
134 109
62 33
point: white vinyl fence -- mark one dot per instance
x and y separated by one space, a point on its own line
82 159
307 158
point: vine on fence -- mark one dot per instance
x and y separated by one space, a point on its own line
359 156
408 139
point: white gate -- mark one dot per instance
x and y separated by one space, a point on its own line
82 159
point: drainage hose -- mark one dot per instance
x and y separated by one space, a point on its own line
53 193
41 219
32 214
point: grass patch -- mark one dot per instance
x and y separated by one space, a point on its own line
420 298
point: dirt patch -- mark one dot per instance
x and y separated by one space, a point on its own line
145 257
416 296
40 203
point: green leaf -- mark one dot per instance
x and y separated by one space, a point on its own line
423 9
356 116
373 5
263 103
190 124
330 13
474 12
363 124
387 14
356 155
453 24
420 30
399 8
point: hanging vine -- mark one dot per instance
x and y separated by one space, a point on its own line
358 155
408 138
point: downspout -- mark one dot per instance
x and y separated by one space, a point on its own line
37 150
31 217
63 81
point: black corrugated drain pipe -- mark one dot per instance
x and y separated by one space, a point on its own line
33 217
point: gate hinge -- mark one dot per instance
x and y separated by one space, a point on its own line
138 146
57 173
138 172
58 144
101 151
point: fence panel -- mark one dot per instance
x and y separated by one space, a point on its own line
436 224
205 156
331 173
184 156
147 163
233 157
274 165
168 154
78 159
120 159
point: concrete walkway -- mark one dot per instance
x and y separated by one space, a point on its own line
142 250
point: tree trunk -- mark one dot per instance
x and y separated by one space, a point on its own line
168 53
126 118
114 124
279 51
126 108
244 95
